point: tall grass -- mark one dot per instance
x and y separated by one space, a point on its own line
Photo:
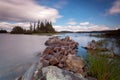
103 68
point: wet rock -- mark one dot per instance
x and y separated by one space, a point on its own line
55 73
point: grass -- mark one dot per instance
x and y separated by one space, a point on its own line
104 68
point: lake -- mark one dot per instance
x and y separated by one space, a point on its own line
18 52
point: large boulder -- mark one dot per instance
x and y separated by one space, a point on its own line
75 63
55 73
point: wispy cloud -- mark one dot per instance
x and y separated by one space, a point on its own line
71 22
84 23
115 9
26 10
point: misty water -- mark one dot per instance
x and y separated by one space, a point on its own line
18 52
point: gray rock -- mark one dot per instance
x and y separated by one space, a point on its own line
55 73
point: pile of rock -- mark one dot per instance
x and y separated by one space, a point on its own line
59 62
61 53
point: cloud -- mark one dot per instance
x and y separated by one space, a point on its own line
8 26
84 27
26 10
84 23
71 22
115 9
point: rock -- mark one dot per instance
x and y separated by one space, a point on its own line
75 64
67 38
44 62
91 45
20 78
52 41
53 61
55 73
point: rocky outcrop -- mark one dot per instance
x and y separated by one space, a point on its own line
93 48
61 53
59 61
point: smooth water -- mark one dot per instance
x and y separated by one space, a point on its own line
17 53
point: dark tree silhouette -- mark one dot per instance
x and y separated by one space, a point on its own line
17 30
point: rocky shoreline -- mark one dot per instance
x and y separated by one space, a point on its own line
58 62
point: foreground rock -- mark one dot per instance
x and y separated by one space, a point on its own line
61 53
59 61
55 73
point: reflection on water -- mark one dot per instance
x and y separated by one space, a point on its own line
17 52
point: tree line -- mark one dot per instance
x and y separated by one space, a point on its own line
36 27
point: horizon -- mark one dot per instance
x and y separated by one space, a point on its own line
66 15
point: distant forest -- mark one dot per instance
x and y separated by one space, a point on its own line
36 27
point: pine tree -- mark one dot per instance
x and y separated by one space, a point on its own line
34 26
30 26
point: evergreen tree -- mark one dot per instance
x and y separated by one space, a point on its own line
34 27
31 27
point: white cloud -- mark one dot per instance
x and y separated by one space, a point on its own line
84 23
71 22
85 27
115 9
26 10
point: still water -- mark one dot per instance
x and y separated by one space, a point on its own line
18 52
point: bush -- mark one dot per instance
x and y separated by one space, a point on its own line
104 68
18 30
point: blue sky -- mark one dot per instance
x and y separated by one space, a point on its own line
93 11
65 14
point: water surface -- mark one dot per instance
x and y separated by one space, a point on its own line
17 53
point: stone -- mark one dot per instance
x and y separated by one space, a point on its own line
55 73
73 61
52 41
53 61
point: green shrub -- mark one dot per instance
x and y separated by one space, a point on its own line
104 68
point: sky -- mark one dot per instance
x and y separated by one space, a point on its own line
66 15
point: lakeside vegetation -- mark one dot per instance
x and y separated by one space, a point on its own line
3 31
101 66
104 68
